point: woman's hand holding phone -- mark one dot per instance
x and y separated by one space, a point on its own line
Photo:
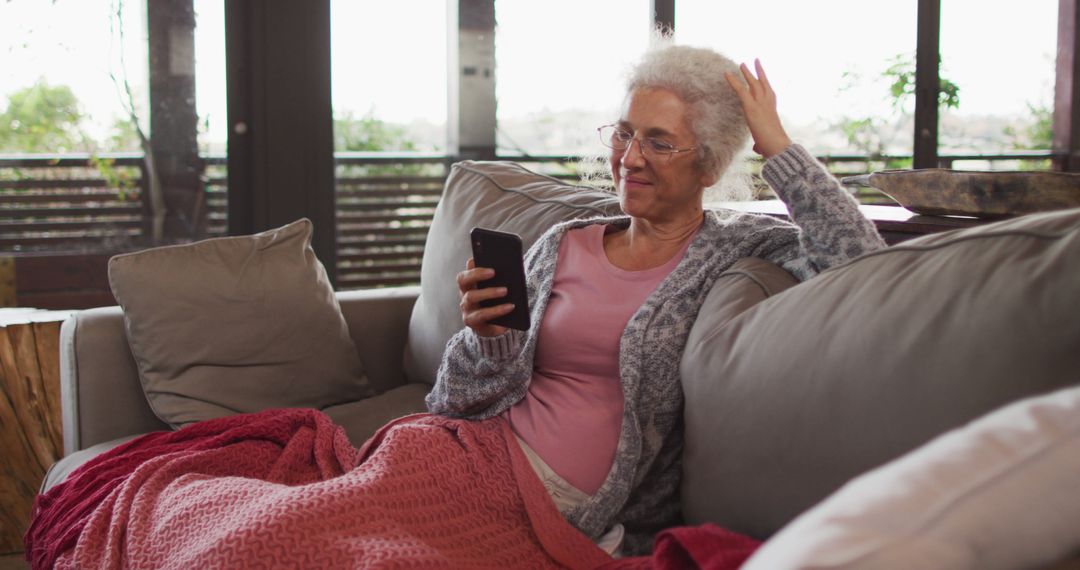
473 315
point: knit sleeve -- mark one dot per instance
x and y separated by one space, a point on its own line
475 374
832 230
480 377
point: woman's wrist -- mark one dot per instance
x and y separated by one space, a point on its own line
501 347
786 164
773 147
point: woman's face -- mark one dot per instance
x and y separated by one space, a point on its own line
656 187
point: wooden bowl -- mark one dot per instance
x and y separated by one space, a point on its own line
983 194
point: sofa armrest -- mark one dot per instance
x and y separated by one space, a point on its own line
378 322
101 396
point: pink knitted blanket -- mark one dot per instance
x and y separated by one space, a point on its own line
284 488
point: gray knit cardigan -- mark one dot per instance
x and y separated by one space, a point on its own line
483 377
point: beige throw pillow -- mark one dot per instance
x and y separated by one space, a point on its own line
234 325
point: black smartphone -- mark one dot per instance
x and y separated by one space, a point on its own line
501 251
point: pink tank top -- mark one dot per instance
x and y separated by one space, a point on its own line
572 414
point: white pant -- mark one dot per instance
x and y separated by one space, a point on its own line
567 496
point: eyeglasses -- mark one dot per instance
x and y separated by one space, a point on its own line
652 148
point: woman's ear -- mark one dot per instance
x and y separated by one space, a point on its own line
708 180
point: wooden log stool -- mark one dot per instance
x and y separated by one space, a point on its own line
30 426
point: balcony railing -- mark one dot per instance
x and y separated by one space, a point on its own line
384 210
81 204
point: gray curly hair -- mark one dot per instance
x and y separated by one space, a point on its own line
696 75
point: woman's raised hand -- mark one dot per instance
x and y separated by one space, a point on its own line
472 314
759 105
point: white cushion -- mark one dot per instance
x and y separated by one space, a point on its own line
1001 492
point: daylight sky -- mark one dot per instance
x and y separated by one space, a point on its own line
389 58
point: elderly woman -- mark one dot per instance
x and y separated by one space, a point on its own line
592 391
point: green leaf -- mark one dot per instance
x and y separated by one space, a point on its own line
42 118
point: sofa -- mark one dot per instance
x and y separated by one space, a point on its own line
795 393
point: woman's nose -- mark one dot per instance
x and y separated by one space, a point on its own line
634 154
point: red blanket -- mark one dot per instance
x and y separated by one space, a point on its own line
285 488
707 547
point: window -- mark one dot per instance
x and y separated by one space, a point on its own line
76 102
390 95
389 75
51 64
1003 62
828 60
561 70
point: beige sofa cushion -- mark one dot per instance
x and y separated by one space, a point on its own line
496 195
999 493
67 464
362 419
746 283
869 360
236 325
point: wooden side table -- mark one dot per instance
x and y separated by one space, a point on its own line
30 429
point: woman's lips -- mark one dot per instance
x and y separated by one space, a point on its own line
635 183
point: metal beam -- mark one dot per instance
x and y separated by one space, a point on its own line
663 14
281 143
173 120
927 84
1067 90
472 109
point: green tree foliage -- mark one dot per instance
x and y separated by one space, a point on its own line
42 118
369 134
123 136
901 76
123 179
48 119
865 133
1036 135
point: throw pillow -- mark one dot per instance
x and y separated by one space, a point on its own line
496 195
867 361
998 493
234 325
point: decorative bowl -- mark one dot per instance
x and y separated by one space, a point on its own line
983 194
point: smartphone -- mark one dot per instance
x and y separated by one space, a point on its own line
501 251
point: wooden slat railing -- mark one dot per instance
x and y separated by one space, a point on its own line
384 210
66 204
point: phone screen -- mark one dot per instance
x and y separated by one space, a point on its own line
501 251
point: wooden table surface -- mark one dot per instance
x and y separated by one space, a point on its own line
30 430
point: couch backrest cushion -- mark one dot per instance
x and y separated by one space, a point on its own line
378 321
496 195
234 325
869 360
746 283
